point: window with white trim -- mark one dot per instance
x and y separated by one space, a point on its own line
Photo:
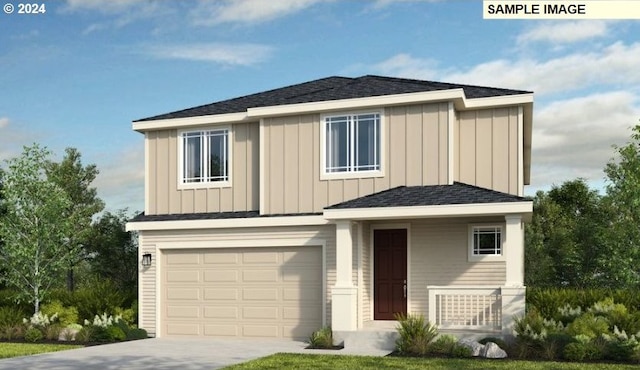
486 240
352 143
204 156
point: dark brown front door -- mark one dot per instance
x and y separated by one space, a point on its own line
389 273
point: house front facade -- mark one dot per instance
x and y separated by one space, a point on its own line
340 202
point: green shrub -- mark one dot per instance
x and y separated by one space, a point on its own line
115 334
461 351
620 350
589 325
416 334
10 316
128 315
137 333
33 335
99 296
85 334
548 301
322 338
66 315
10 332
52 332
443 345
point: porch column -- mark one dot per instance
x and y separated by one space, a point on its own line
514 250
513 293
344 303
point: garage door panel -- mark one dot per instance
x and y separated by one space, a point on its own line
221 294
189 312
308 295
262 276
260 294
267 258
181 276
242 292
221 330
211 276
183 329
182 259
260 312
221 258
189 294
221 312
301 313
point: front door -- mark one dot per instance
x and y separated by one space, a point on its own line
389 273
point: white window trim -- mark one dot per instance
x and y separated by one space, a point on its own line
486 258
350 175
210 184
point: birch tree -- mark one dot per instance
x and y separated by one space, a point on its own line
32 228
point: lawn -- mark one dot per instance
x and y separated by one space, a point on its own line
298 361
25 349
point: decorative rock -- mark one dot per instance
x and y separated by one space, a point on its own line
475 347
492 350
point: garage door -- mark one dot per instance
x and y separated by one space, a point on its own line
242 292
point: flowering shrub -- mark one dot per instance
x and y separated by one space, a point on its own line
104 320
40 320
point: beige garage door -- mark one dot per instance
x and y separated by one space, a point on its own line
242 292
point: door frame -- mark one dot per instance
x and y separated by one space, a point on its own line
387 226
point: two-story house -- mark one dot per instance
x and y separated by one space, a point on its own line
339 201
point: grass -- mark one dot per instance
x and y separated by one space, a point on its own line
26 349
299 361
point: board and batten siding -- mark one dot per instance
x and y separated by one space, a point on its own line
164 197
486 149
151 240
414 152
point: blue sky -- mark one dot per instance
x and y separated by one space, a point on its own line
80 73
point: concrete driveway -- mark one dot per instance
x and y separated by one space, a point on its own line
156 353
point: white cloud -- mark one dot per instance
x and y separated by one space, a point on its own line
111 6
574 137
228 54
246 11
4 122
616 64
384 3
561 32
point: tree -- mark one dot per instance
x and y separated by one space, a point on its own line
566 241
114 251
623 195
75 179
33 233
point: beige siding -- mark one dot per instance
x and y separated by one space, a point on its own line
164 195
415 153
486 149
151 241
439 256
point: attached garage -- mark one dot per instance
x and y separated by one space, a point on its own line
273 292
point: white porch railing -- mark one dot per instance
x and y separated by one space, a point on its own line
466 307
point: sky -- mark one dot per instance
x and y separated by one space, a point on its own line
79 74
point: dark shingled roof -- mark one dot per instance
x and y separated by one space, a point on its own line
403 196
332 88
433 195
209 216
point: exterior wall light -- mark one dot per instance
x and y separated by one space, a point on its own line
146 259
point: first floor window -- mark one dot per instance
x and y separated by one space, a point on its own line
352 143
486 241
205 156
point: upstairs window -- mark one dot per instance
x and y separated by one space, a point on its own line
352 143
204 156
485 240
